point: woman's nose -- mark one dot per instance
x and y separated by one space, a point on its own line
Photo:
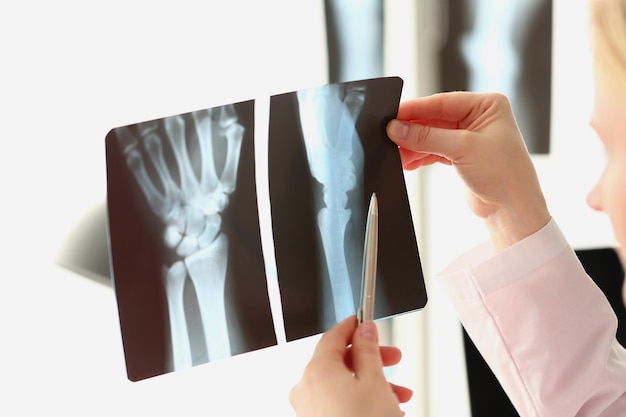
594 198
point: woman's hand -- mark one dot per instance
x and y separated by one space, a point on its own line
478 135
345 376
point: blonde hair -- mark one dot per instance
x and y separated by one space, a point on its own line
608 19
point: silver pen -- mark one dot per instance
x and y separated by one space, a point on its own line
370 260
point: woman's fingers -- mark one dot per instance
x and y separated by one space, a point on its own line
366 359
412 160
404 394
389 356
455 109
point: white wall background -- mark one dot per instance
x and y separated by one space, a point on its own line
72 70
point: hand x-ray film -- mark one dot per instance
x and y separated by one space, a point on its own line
240 227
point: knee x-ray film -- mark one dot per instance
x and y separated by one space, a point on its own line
240 227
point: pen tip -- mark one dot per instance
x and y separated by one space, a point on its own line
373 204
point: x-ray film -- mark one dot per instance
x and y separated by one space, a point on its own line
240 227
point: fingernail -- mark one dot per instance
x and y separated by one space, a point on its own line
398 129
368 330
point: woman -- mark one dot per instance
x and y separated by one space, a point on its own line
543 326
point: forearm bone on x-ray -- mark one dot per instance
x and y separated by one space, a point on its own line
335 155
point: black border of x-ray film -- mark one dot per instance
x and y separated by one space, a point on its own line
138 254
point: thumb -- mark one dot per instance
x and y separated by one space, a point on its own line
366 351
426 136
